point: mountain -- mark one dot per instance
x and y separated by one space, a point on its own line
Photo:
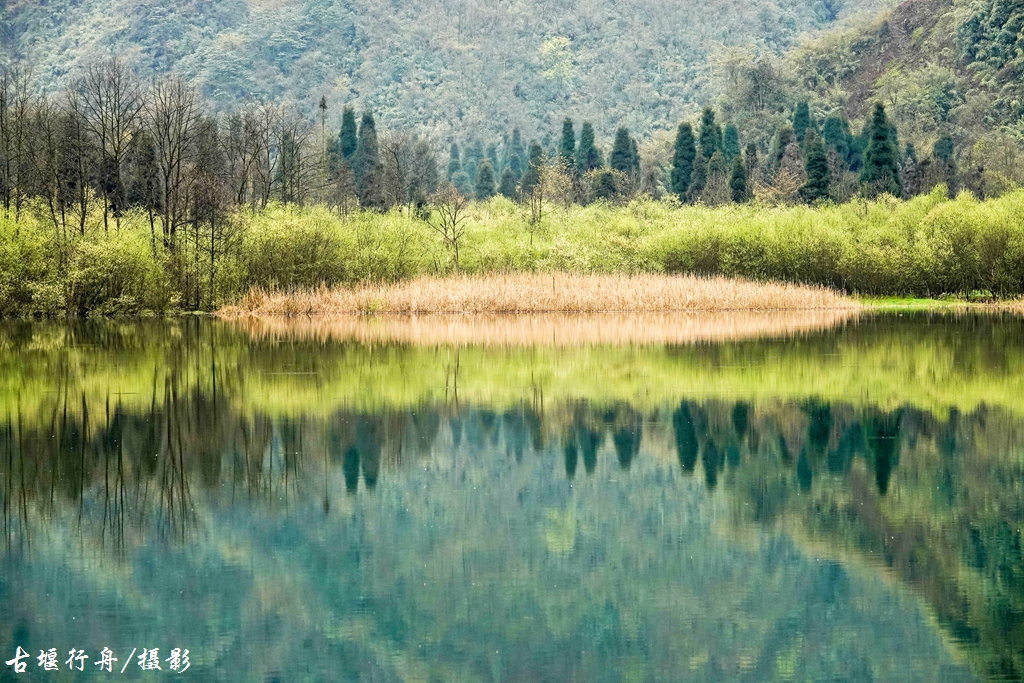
439 66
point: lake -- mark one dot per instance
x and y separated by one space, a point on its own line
538 499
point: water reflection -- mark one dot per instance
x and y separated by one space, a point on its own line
551 538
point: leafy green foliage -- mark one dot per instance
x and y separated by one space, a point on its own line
685 151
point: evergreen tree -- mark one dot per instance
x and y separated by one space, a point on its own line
484 181
472 158
622 152
858 145
710 134
698 179
454 165
605 187
463 183
784 136
738 180
836 134
943 152
635 151
348 139
880 172
819 176
716 187
515 164
682 161
366 165
801 120
908 170
731 142
507 187
492 155
588 157
567 150
531 178
516 149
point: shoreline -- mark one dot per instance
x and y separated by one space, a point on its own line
548 293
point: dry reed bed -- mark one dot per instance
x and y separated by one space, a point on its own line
545 329
544 293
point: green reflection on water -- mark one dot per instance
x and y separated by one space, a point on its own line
839 506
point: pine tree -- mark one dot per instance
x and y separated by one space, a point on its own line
634 150
463 183
801 120
588 157
783 138
710 134
531 178
567 150
484 181
516 149
716 187
944 153
366 165
858 145
880 173
622 152
738 180
454 165
819 175
492 155
836 134
605 187
507 187
348 138
731 142
682 161
698 179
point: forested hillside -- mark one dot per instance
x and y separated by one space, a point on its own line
438 66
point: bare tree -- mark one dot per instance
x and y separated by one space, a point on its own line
112 104
172 119
450 222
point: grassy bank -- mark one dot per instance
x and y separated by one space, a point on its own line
543 293
927 247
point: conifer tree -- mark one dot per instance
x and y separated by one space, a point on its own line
880 172
516 149
836 134
463 183
858 145
682 161
634 150
731 142
738 180
515 164
606 187
531 178
783 138
454 165
943 152
588 157
698 179
492 155
484 181
816 188
567 150
472 158
507 187
622 152
348 138
716 187
710 134
801 120
366 165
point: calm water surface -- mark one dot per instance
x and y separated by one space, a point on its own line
842 505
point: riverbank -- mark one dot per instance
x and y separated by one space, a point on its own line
543 293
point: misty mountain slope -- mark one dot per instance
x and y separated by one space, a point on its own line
439 65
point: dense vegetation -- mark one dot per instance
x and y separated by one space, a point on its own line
426 65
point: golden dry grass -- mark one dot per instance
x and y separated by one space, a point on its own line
545 329
544 293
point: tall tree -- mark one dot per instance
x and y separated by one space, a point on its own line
366 166
731 142
484 181
622 152
567 150
710 134
682 160
738 180
454 163
819 176
783 138
507 187
880 173
531 178
836 134
348 138
588 157
801 120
